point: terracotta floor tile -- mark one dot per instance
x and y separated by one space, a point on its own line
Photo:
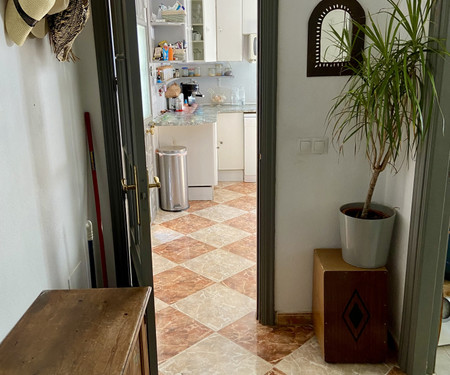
245 222
200 205
188 224
242 187
245 248
246 203
396 371
275 371
177 283
269 343
244 282
183 249
176 332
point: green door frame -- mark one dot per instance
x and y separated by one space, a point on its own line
429 225
267 121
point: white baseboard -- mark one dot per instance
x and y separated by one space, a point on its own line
249 178
237 175
201 193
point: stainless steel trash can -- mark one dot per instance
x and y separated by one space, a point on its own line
173 177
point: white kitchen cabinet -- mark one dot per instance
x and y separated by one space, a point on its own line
200 142
229 30
203 25
250 148
230 146
249 16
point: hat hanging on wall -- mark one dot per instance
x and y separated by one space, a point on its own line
22 15
41 28
65 26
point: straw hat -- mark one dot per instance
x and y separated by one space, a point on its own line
22 15
41 28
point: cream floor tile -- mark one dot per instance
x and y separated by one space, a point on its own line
220 213
161 234
254 194
224 195
216 306
218 265
160 305
161 264
215 355
443 360
223 184
219 235
163 216
307 360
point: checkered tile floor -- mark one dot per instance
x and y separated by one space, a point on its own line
205 288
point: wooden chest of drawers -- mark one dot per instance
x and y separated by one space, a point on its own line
349 309
80 332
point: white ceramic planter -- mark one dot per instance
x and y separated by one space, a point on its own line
366 243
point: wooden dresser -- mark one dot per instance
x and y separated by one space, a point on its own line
80 332
349 309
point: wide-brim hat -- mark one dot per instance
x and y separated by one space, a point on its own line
41 28
22 15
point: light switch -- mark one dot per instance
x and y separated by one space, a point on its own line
305 146
319 147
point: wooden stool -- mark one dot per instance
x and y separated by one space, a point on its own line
349 309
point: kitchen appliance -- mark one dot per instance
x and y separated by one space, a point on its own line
252 47
190 91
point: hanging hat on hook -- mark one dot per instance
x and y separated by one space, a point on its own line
22 15
41 28
65 26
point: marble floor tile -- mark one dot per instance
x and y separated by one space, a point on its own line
275 371
161 234
219 235
218 265
442 360
220 213
243 282
176 332
161 264
160 305
223 195
163 216
245 248
242 187
396 371
270 343
255 194
223 184
245 222
177 283
199 205
215 355
182 249
188 224
216 306
307 360
246 203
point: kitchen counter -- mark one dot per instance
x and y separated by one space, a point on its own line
202 115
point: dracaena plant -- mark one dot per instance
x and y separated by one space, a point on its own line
381 105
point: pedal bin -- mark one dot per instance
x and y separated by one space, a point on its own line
173 178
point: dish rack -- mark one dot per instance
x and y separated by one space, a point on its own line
174 15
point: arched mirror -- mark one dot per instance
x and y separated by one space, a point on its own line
328 19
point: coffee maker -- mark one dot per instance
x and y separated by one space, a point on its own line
190 91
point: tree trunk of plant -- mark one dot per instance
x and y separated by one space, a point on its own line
373 182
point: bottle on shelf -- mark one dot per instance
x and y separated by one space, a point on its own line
170 53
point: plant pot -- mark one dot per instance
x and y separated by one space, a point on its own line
366 242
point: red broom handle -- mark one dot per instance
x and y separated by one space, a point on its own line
87 121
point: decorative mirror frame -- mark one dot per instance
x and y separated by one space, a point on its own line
314 66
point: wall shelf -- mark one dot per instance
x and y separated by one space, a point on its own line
168 23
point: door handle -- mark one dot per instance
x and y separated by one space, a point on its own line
134 187
157 183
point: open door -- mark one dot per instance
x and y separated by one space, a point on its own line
115 29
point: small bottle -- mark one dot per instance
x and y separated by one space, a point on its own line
165 52
158 77
170 53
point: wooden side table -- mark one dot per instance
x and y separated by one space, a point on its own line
80 332
349 309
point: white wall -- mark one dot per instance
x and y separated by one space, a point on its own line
43 172
310 188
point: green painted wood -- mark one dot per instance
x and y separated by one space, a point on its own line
267 120
429 227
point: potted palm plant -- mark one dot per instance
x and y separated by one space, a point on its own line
381 109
